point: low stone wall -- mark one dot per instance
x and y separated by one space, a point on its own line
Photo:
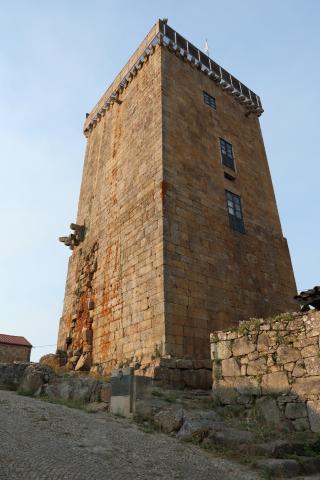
273 367
11 374
178 373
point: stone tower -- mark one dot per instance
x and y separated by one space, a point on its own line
177 232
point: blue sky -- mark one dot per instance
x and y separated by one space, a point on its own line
57 58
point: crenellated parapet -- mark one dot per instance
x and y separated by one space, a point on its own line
162 35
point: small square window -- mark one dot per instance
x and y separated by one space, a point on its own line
227 154
235 212
209 100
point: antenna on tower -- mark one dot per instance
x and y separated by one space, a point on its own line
206 48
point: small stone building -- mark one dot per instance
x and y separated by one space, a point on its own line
14 349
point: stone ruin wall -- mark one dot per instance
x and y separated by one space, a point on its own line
114 302
272 365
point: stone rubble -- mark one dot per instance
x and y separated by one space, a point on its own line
281 458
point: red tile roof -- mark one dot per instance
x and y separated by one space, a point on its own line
14 340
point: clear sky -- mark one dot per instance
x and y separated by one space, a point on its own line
57 58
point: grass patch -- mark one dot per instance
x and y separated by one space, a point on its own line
146 428
118 415
169 397
144 425
312 447
10 387
65 372
245 457
284 317
59 370
266 474
157 393
100 378
251 325
156 352
77 404
205 403
24 392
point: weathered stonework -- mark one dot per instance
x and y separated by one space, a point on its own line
158 267
114 302
14 353
282 380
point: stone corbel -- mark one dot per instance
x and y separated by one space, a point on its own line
74 239
115 97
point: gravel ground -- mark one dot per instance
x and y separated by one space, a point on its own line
42 441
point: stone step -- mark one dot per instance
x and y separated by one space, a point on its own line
307 477
279 467
310 465
289 467
229 437
281 448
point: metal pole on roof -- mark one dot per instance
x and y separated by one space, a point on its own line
206 48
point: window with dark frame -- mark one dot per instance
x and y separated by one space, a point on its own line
209 100
227 154
235 212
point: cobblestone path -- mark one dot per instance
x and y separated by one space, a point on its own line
42 441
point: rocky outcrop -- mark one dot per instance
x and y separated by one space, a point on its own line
80 388
39 379
169 420
54 360
34 378
233 429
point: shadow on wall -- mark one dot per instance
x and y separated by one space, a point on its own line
271 366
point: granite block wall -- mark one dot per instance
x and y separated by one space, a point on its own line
272 365
214 275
